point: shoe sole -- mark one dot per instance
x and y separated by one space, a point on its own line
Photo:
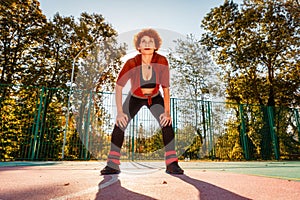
168 172
110 173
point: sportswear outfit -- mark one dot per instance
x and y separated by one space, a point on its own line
132 71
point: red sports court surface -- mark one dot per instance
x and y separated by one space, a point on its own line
148 180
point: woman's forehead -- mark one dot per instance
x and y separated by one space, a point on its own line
147 37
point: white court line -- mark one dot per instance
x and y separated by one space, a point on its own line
140 171
89 190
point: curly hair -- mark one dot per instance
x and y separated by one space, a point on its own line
150 33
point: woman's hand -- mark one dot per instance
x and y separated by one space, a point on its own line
122 120
165 119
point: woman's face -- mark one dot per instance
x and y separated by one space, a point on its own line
147 45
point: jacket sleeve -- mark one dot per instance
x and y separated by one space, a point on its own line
125 73
164 76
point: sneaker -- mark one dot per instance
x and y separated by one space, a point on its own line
174 168
109 170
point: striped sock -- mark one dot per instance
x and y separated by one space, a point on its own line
170 157
114 157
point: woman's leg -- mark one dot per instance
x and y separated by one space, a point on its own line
130 107
157 108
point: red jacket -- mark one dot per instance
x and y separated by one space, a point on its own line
131 70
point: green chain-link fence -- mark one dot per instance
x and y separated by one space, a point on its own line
33 127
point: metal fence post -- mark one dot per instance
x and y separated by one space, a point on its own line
174 118
210 129
33 152
132 137
87 126
32 133
42 118
272 131
297 122
173 114
243 133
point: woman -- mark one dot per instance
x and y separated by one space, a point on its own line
146 71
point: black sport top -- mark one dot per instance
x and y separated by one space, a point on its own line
150 83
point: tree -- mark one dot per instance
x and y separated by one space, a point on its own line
37 52
21 30
97 72
53 56
21 25
195 77
258 49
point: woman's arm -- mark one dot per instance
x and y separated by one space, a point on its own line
165 118
122 118
118 97
166 92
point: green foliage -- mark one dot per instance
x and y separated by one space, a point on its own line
16 122
21 31
9 125
228 146
194 74
188 143
35 51
194 78
149 144
257 46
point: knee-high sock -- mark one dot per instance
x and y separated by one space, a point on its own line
117 139
169 143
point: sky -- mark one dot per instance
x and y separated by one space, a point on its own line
181 16
173 19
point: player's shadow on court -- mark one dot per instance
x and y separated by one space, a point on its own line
209 191
110 188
